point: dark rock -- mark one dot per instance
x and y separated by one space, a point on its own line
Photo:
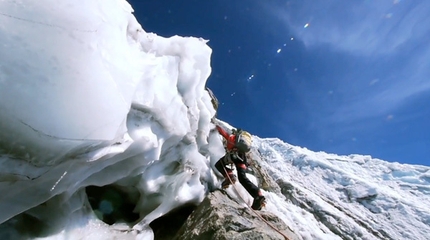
266 182
220 217
166 226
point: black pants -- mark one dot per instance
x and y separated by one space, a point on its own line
253 190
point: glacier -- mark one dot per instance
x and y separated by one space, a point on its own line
97 112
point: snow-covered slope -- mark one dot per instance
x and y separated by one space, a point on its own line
105 127
349 197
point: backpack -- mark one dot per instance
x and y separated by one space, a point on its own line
243 140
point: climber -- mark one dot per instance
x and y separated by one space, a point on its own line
237 153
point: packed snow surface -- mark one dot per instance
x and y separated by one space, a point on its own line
89 99
354 196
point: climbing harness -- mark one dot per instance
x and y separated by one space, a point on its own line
256 213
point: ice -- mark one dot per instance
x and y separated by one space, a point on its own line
70 74
88 98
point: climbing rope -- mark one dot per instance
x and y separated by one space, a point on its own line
255 212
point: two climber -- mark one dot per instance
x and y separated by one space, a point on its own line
238 146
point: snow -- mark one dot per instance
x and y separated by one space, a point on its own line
88 98
361 194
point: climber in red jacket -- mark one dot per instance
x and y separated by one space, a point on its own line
239 158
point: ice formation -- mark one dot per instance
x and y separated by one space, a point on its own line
88 98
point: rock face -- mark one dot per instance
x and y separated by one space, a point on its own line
266 181
220 217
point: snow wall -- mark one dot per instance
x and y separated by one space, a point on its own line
88 98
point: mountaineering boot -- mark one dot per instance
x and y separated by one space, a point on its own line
226 183
259 203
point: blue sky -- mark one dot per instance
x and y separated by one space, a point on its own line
337 76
